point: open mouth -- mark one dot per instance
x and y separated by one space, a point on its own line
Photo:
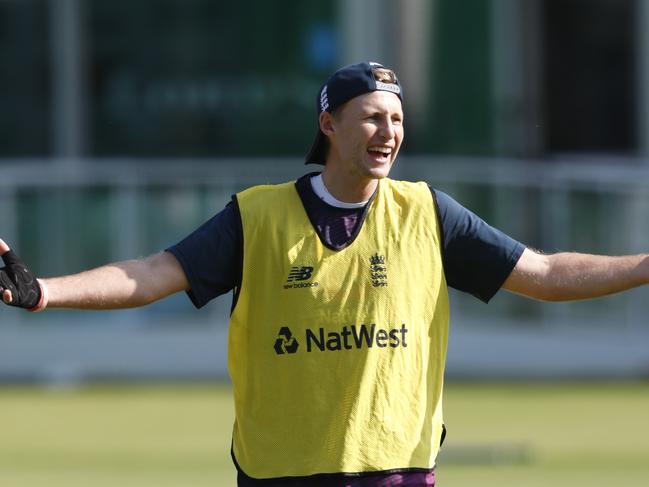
380 153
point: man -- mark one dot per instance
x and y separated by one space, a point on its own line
340 313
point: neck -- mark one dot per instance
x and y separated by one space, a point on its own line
347 187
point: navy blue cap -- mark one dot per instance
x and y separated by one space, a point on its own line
345 84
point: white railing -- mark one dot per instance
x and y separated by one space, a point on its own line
600 205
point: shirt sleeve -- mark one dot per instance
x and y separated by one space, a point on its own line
211 256
477 257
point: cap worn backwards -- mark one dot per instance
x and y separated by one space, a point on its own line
347 83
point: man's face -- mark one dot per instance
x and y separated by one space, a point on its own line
366 134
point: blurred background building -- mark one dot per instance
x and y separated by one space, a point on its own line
125 124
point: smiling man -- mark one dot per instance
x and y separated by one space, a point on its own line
340 315
361 130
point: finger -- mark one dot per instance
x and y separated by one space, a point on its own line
7 297
4 248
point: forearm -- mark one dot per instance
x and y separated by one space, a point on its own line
583 276
107 287
573 276
125 284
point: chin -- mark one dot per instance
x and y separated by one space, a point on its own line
379 172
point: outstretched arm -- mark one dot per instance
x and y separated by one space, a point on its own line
125 284
573 276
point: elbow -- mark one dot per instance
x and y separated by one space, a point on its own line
147 294
539 290
540 294
556 293
532 278
144 299
549 296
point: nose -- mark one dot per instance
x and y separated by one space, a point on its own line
387 129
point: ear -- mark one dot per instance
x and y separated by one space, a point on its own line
327 123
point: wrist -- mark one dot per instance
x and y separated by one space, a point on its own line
645 267
42 302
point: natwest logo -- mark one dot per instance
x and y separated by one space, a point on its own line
347 338
286 342
353 337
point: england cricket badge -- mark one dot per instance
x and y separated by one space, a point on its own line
378 271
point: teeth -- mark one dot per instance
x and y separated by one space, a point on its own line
382 150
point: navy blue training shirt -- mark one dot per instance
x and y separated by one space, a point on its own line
477 257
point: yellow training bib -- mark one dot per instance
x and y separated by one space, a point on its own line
337 357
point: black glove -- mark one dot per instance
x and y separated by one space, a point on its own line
16 277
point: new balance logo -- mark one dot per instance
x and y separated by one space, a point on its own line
286 342
297 276
299 273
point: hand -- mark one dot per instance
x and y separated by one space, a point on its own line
18 286
6 293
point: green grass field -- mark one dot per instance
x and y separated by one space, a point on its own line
499 435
